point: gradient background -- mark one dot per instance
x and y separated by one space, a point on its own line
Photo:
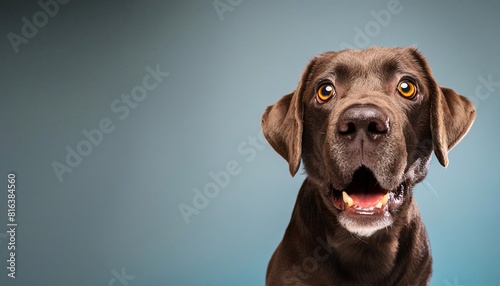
118 209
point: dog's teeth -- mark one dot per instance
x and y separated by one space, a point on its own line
384 200
348 200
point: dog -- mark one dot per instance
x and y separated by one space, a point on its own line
364 123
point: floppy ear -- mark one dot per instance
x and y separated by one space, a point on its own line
282 127
451 114
451 118
282 124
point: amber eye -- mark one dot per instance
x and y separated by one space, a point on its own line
407 89
325 92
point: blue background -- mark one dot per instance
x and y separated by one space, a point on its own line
118 210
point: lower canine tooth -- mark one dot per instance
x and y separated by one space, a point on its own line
384 199
379 205
348 200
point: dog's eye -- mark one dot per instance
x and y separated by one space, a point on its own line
325 92
407 89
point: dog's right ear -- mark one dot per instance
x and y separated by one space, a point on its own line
282 123
282 127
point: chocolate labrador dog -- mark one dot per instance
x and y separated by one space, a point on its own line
364 123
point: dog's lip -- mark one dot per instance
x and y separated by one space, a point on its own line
365 196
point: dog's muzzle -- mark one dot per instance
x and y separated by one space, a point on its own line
370 186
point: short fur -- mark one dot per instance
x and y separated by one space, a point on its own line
317 248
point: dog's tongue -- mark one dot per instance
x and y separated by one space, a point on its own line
366 200
365 193
364 190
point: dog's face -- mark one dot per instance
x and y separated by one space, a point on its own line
365 123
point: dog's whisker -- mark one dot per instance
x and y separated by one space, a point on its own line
429 188
360 238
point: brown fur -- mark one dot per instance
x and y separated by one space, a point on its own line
317 249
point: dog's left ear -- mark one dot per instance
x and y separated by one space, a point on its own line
451 118
282 123
451 114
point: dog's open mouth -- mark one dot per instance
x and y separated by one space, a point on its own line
365 196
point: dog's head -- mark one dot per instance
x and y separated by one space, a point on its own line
365 123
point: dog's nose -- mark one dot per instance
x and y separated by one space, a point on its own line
363 118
